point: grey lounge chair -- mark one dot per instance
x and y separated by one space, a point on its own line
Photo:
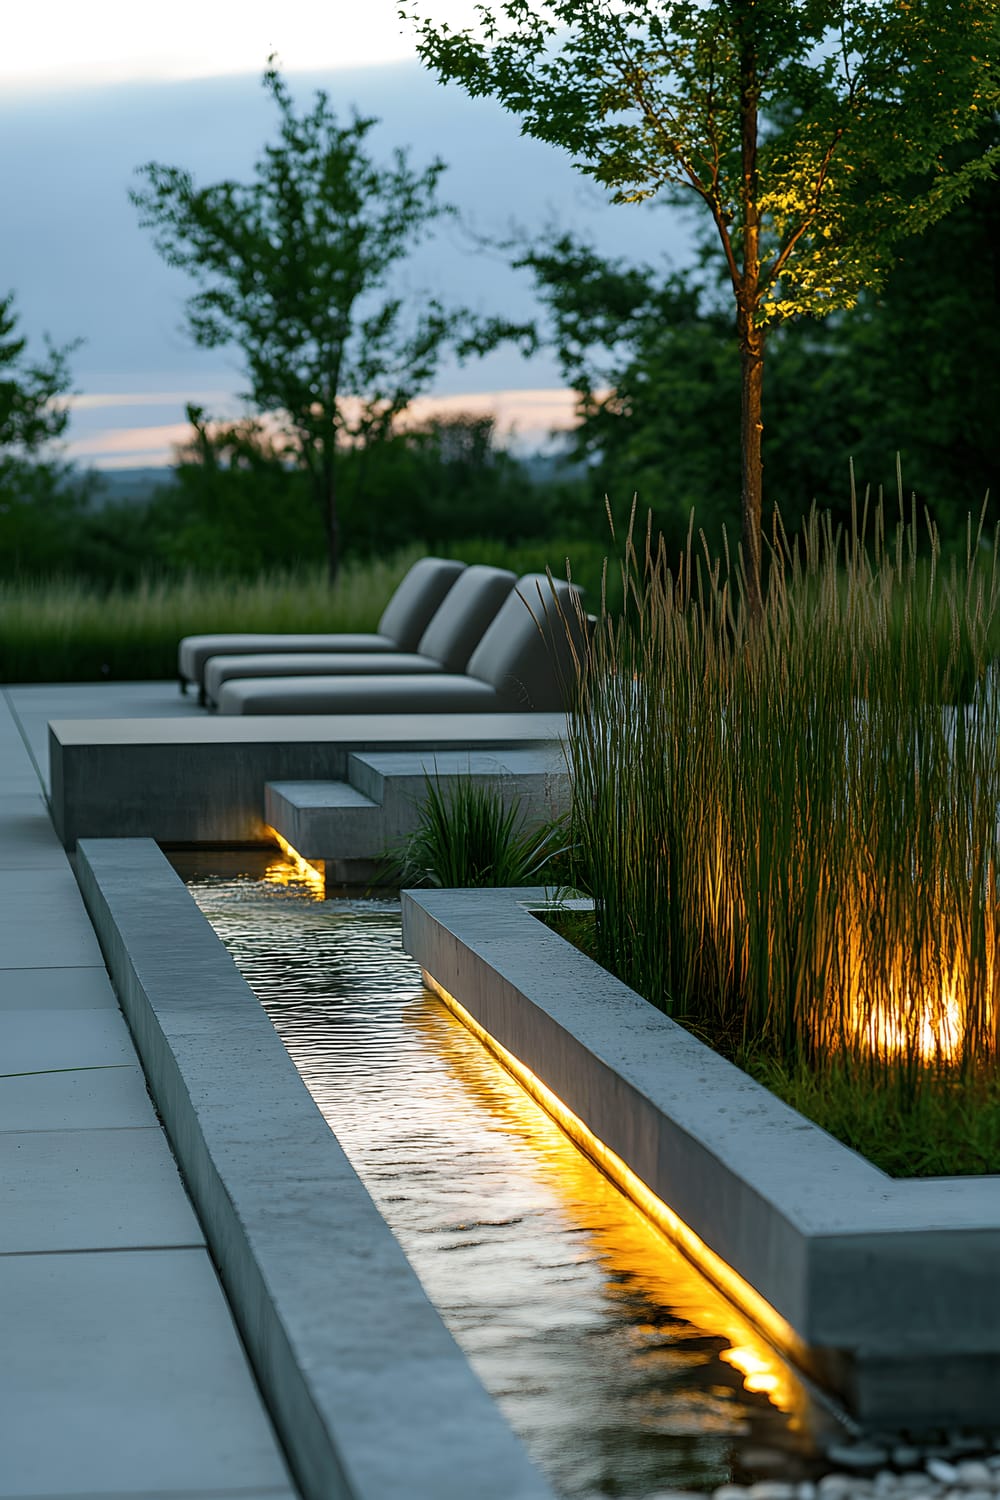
445 646
403 622
525 661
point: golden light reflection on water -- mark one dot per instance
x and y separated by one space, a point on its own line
626 1238
292 870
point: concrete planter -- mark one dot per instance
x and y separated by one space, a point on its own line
885 1291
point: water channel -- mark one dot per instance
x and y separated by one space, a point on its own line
623 1370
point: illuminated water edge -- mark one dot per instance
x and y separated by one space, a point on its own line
622 1368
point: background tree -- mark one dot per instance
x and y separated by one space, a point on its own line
41 500
910 369
31 415
813 131
290 265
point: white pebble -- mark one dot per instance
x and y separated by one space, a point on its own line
773 1489
974 1471
834 1486
857 1455
943 1472
904 1455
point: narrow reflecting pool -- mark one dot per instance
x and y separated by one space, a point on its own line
623 1370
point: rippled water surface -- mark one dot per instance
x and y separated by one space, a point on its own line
623 1370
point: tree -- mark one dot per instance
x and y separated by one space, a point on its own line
289 266
910 369
30 413
41 502
813 131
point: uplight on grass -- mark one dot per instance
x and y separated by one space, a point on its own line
790 828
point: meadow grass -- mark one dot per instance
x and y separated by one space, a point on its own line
69 630
789 825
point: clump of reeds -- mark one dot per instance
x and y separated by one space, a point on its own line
469 833
790 824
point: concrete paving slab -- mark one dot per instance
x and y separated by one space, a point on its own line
72 1069
91 1190
33 1039
103 1098
41 914
57 989
27 838
122 1375
47 1040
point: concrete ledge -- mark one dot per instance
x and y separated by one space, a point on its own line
378 806
202 780
888 1289
371 1396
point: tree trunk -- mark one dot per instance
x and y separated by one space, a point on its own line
751 455
751 337
331 522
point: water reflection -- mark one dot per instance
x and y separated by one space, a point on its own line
622 1368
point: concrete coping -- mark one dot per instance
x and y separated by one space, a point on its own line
369 1392
202 780
888 1286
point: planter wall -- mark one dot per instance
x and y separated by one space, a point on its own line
887 1292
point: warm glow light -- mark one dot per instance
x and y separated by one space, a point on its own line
756 1361
295 868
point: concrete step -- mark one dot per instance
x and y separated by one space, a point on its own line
378 806
317 817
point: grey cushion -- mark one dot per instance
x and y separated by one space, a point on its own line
196 650
418 597
525 662
527 653
470 606
434 694
222 669
403 622
445 645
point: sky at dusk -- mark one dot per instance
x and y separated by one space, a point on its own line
89 94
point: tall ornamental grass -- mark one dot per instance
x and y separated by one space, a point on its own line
790 825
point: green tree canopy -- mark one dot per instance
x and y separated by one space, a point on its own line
31 415
911 369
814 132
291 267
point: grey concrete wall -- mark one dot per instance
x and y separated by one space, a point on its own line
373 1399
202 780
887 1284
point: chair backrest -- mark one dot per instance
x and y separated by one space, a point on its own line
468 608
417 597
527 653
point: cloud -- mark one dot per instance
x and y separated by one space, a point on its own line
101 400
118 447
524 416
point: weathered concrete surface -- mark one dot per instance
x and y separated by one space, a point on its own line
373 1398
892 1285
378 804
183 780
